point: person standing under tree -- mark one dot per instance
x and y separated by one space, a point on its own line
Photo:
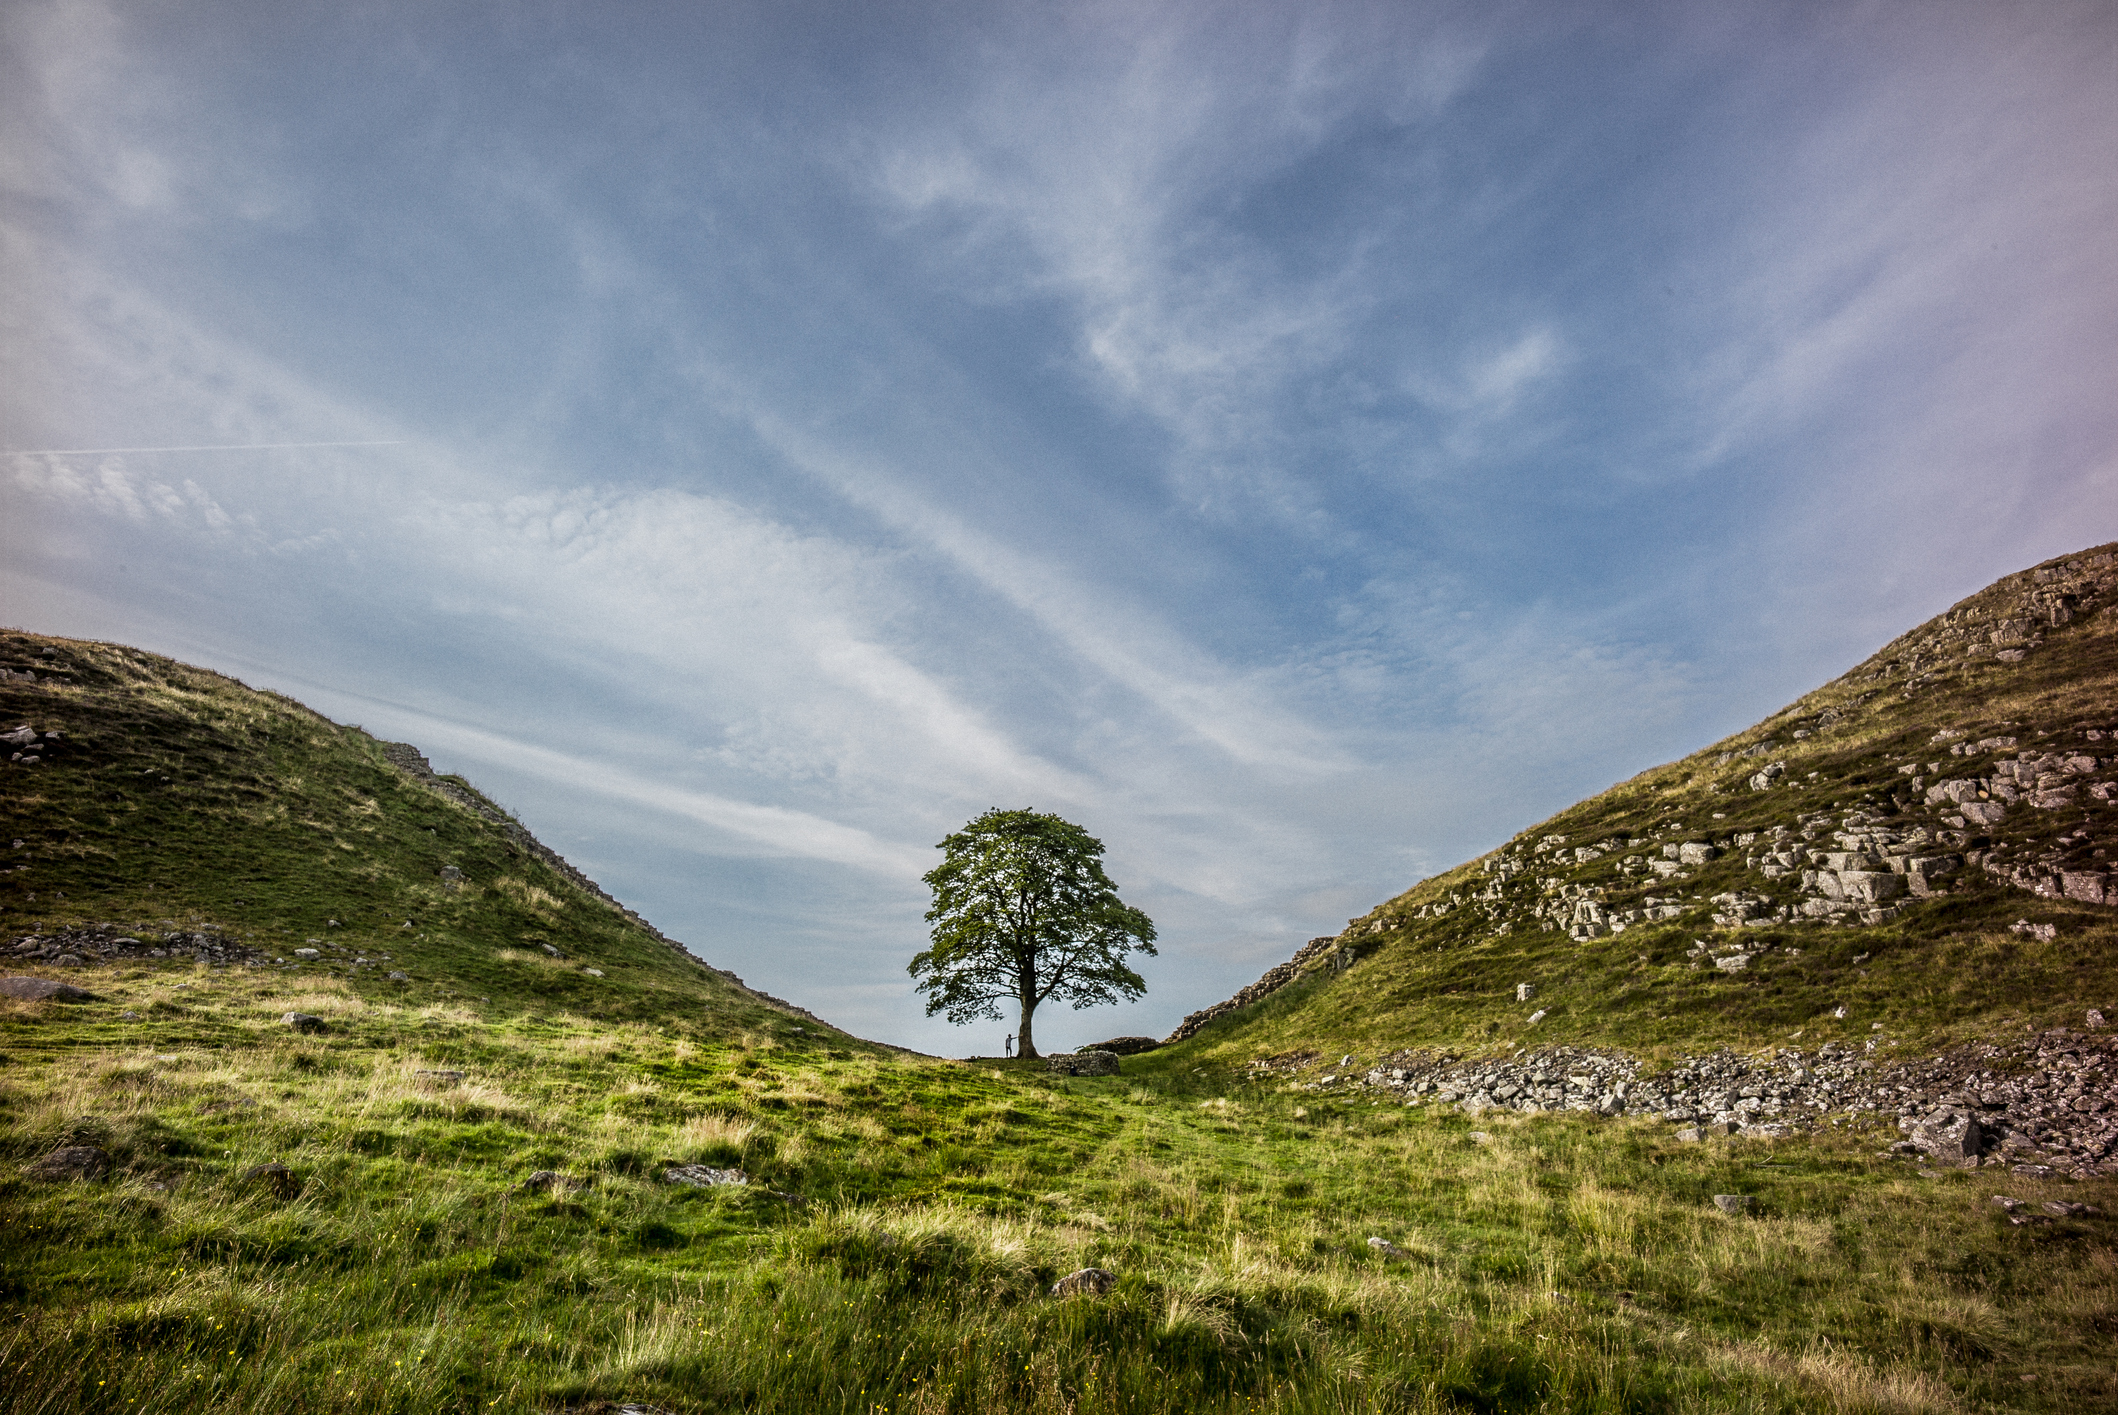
1007 1048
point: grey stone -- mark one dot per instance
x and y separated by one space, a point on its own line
1388 1249
1094 1281
310 953
1734 1203
1082 1063
1951 1137
70 960
2087 886
1691 1135
699 1176
1984 812
1869 886
1696 852
70 1163
304 1022
438 1080
397 977
44 989
549 949
2031 1171
1524 992
545 1180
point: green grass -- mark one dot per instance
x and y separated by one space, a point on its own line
1563 1263
906 1215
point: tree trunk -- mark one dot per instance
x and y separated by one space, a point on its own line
1024 1047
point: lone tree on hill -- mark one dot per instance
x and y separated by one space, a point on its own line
1023 910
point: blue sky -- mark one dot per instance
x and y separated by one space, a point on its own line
1304 444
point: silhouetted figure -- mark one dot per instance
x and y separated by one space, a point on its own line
1007 1048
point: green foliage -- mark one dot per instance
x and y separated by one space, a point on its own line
1023 910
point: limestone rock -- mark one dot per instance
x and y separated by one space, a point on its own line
1952 1137
304 1022
1388 1249
699 1176
1734 1203
1094 1281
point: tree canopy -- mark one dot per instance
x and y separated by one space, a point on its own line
1023 910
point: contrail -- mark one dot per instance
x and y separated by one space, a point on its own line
230 447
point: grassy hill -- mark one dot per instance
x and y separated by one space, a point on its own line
1615 910
454 1189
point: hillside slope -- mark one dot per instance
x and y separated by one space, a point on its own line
1917 854
152 809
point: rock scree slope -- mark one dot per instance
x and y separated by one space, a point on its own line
1894 896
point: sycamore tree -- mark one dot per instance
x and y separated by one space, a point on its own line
1023 911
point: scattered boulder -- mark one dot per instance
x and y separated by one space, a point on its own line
1734 1203
304 1022
310 954
699 1176
1952 1137
1082 1063
1124 1046
69 960
71 1162
1094 1281
400 977
280 1180
44 990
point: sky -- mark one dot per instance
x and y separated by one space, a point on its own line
1304 444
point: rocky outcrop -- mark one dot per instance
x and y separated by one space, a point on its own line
1274 979
2054 1096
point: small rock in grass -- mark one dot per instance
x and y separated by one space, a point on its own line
400 977
437 1080
2007 1203
1691 1135
549 949
70 1163
128 1016
275 1177
70 960
700 1176
2060 1208
2031 1171
543 1181
593 972
1094 1281
303 1022
1388 1249
310 953
1733 1203
1479 1137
